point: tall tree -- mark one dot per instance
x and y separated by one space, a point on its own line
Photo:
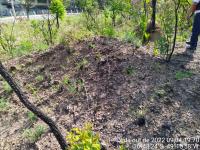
153 17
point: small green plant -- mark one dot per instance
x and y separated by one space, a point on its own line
39 78
130 70
160 93
3 104
122 147
34 134
7 39
82 64
83 139
33 90
23 48
57 7
31 116
183 74
109 31
66 80
6 87
73 86
161 46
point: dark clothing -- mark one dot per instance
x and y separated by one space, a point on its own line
198 6
195 30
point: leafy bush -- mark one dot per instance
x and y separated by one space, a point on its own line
57 7
109 31
83 139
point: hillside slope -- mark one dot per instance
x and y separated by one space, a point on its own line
125 92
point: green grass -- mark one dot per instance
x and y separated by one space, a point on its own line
39 78
35 133
6 87
183 74
31 116
4 105
130 70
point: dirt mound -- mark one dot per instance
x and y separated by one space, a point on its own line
124 92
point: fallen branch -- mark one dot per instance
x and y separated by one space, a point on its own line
23 98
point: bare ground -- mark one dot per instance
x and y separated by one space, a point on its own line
125 92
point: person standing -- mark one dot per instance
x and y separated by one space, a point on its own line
195 9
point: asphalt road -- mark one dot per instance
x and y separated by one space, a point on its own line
32 17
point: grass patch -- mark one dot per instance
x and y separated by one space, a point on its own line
34 134
31 116
4 105
39 78
183 74
6 87
130 71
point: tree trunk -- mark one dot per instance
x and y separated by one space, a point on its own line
177 5
57 20
27 13
23 98
153 17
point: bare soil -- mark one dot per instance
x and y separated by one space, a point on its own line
126 93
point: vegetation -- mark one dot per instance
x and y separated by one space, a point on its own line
4 105
131 22
183 74
35 133
83 138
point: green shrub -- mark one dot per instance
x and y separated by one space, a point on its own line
83 139
57 7
109 31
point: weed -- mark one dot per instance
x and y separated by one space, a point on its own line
31 116
34 134
160 93
6 87
122 147
83 138
3 104
92 46
109 31
130 70
39 78
183 74
82 64
33 90
66 80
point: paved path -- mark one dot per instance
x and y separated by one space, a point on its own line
32 17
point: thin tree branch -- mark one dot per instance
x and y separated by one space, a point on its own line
23 98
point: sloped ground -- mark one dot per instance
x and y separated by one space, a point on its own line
125 92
